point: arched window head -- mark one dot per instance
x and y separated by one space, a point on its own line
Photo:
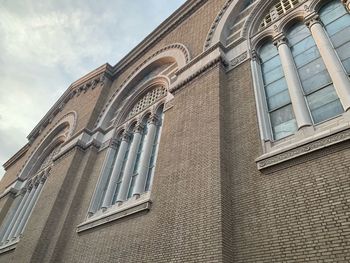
279 9
148 100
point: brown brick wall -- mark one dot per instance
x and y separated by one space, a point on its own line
298 213
183 223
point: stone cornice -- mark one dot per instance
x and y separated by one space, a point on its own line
273 159
96 78
17 155
204 62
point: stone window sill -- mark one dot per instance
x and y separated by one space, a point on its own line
9 246
315 138
116 212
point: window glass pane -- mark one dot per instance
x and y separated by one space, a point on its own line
327 111
344 51
338 25
303 45
346 64
340 37
311 69
331 12
271 64
307 56
324 104
276 87
315 82
297 33
267 52
278 100
273 75
283 122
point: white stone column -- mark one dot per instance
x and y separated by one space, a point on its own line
146 155
331 60
260 99
24 196
295 88
31 191
107 201
130 163
37 190
103 179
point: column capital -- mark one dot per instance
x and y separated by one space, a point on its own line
312 19
346 3
138 127
113 143
24 190
279 39
254 55
153 119
125 136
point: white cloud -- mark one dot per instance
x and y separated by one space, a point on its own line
46 45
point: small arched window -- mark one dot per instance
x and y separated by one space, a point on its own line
277 95
25 200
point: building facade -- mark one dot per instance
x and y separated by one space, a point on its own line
222 137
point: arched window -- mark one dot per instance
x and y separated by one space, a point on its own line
321 97
129 166
336 21
277 95
25 200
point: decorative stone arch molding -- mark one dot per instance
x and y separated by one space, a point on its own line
61 131
175 53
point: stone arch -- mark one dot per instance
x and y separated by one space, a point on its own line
61 131
176 53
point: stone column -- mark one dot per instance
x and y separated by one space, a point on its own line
37 191
24 197
19 218
107 201
146 155
262 109
103 179
295 88
130 163
331 60
10 214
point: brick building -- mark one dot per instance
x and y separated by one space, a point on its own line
222 137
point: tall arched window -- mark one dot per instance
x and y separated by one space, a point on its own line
336 21
129 167
25 200
277 95
323 101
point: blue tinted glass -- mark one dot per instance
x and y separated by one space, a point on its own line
273 75
276 87
321 97
283 122
297 33
338 25
346 64
267 51
307 56
344 51
278 100
311 69
303 45
314 82
271 64
331 12
340 37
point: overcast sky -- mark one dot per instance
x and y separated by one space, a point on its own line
45 45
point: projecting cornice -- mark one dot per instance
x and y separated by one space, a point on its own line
94 79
